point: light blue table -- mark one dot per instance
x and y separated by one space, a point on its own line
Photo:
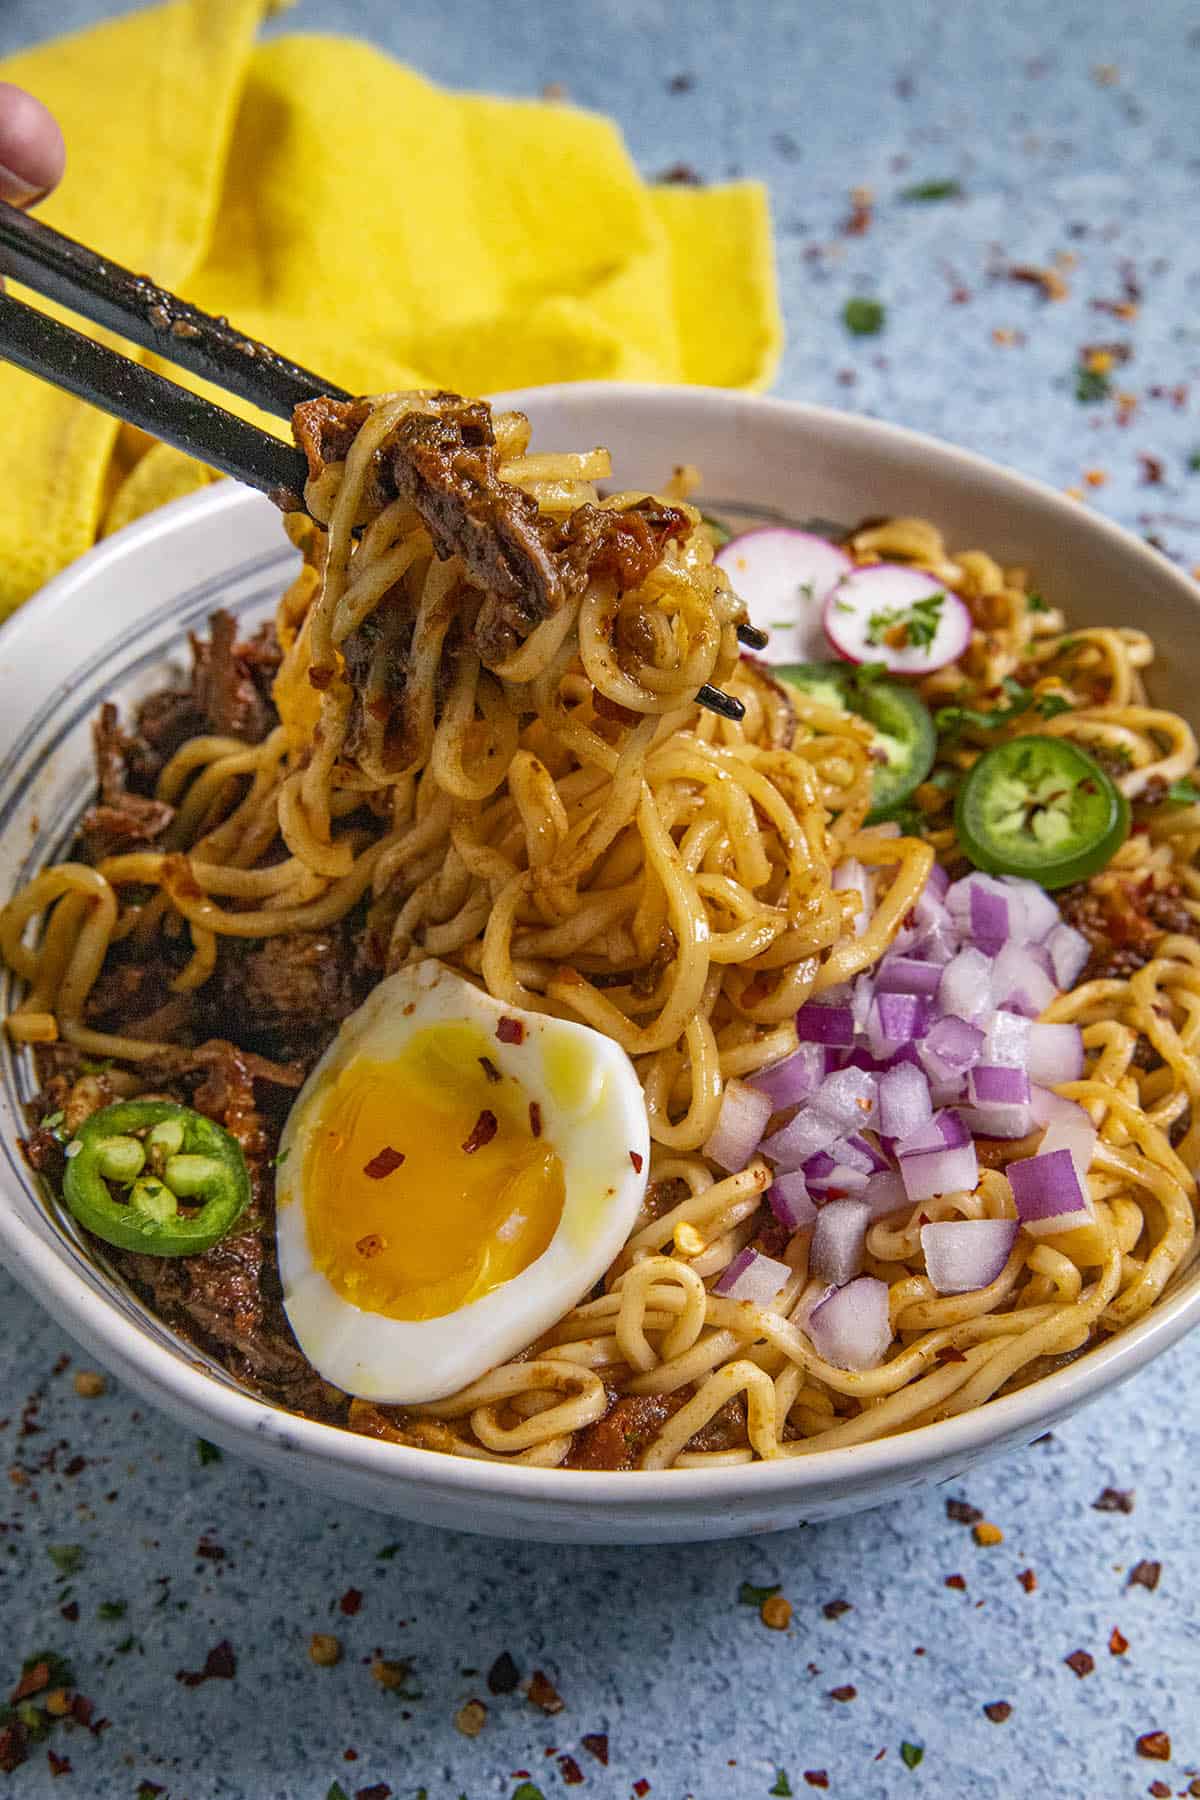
652 1646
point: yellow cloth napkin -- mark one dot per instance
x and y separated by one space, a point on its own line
370 225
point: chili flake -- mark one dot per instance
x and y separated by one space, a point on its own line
1081 1661
482 1132
998 1711
490 1070
1155 1746
59 1765
570 1771
383 1164
535 1119
956 1581
1160 1789
1114 1500
1118 1643
543 1693
641 1787
510 1031
637 1161
816 1778
596 1744
351 1602
844 1693
833 1609
961 1513
220 1664
1028 1580
1145 1574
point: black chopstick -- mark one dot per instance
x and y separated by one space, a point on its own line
138 309
42 346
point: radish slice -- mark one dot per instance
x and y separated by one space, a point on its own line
873 613
784 576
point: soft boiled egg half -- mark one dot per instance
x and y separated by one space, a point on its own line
454 1176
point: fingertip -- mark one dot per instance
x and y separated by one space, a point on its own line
32 152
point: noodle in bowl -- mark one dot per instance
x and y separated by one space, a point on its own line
764 458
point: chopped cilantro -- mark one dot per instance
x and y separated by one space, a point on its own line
1183 793
527 1791
1050 705
388 1552
872 671
91 1067
147 1790
61 1672
281 1159
208 1453
863 317
950 720
842 606
67 1558
1036 602
52 1121
336 1792
112 1609
749 1595
911 1755
782 1784
1091 385
932 190
909 818
1194 462
918 622
125 1646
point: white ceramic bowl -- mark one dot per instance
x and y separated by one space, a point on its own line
106 630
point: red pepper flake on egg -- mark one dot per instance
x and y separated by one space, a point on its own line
510 1031
483 1130
384 1163
535 1118
490 1070
637 1161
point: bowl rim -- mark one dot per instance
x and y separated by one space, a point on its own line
237 1415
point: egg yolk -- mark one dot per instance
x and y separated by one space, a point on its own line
427 1182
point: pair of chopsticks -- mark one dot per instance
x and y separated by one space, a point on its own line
137 309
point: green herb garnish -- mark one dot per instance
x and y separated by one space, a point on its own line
1050 705
1091 385
387 1553
1037 602
112 1609
336 1792
1183 793
1194 462
919 622
932 190
527 1791
863 317
208 1453
67 1558
749 1595
782 1784
911 1755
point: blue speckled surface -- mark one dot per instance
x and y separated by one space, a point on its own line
1073 128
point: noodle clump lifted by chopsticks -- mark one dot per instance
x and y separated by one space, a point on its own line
488 750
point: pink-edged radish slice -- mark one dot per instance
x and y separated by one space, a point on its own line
904 618
784 576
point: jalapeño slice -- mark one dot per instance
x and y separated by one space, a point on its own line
130 1165
904 731
1042 808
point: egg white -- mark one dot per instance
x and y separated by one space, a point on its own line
596 1121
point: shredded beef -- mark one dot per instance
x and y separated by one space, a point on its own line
1125 925
443 461
120 820
286 996
619 1439
227 683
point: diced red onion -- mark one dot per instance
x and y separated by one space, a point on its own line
948 1093
937 884
1047 1107
851 1328
837 1182
894 1020
799 1075
851 876
807 1133
1069 951
849 1098
1074 1132
999 1097
884 1193
962 1255
907 975
790 1201
740 1125
1007 1040
860 1002
1038 912
1049 1192
1055 1053
965 988
1019 981
754 1277
861 1153
817 1024
945 1131
904 1103
951 1047
839 1241
939 1159
989 921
